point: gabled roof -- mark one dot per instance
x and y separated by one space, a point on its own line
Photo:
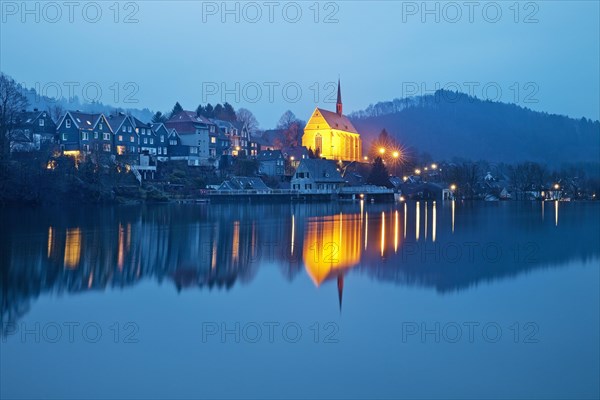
29 117
81 120
243 183
321 170
137 123
189 116
157 126
269 155
336 121
298 152
115 121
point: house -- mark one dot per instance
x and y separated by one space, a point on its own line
31 130
193 132
126 139
314 175
271 163
161 137
80 132
244 183
294 155
147 137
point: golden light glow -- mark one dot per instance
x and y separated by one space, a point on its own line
331 244
365 158
453 203
382 233
556 186
395 154
405 178
396 229
332 142
50 240
293 234
121 248
418 220
72 248
426 221
433 166
366 229
418 171
381 150
453 187
72 153
51 165
235 249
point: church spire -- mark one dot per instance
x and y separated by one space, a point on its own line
338 106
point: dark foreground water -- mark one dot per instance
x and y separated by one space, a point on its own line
350 301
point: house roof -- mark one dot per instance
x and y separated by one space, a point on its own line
243 183
321 170
82 120
336 121
269 155
298 152
25 118
115 121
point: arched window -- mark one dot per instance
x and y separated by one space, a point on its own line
318 143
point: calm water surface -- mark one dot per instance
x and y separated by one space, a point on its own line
414 300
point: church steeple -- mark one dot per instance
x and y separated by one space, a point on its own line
338 106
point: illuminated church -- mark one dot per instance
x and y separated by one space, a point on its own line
331 134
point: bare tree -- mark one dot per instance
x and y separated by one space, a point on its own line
246 117
56 111
12 101
292 129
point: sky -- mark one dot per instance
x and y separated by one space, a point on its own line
271 56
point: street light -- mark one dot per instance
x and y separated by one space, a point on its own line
396 154
366 158
417 171
556 186
453 187
381 150
433 166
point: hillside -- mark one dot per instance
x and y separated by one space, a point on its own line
448 125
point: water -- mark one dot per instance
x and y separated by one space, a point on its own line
416 300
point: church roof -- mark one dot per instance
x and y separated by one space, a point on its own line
337 121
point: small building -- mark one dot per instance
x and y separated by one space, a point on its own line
147 137
161 134
32 130
294 155
271 163
126 139
195 134
317 175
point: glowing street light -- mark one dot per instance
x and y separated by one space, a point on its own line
433 166
417 171
381 150
365 158
396 154
556 186
453 187
405 178
292 158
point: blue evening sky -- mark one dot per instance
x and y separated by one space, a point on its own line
543 55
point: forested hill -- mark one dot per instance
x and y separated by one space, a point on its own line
449 124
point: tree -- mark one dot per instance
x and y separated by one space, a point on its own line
209 111
291 128
159 117
200 110
218 112
12 101
379 175
56 111
176 109
228 113
246 117
388 144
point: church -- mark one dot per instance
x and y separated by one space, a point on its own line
331 134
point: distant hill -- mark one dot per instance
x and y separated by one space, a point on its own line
449 124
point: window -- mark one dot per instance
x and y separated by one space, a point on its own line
100 125
95 135
124 129
120 138
129 129
162 138
173 142
132 148
318 143
145 140
213 139
68 123
42 122
308 186
165 151
106 147
194 150
151 140
131 139
84 136
86 148
160 150
106 136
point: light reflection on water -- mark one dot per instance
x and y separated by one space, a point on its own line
443 249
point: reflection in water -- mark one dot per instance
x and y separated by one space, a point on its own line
555 212
218 245
72 248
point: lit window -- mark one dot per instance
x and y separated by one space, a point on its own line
120 138
213 139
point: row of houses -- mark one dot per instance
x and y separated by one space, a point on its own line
185 136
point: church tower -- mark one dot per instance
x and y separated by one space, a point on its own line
338 105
